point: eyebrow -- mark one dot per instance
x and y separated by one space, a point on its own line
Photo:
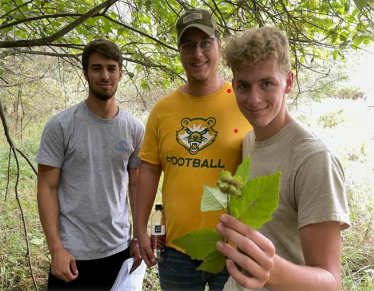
260 80
190 40
100 65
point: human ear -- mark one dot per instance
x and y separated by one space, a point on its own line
120 74
85 75
289 82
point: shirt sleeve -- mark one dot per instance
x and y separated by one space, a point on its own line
150 149
319 190
51 150
134 160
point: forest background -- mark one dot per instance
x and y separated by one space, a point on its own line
41 42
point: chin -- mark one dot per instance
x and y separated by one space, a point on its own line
104 97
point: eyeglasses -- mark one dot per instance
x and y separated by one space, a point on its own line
205 44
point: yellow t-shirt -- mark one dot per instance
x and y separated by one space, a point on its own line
194 139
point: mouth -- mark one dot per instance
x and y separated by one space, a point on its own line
197 65
106 85
194 146
257 111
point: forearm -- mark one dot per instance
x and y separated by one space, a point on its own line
49 217
286 276
133 176
147 185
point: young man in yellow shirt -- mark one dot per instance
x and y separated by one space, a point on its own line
191 135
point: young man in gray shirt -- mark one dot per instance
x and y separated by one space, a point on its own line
87 162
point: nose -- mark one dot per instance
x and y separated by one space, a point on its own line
253 96
104 74
197 51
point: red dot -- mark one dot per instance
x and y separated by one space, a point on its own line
235 130
228 90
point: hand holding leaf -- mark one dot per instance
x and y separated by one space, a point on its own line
250 201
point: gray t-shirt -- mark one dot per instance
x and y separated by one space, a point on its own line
311 187
93 155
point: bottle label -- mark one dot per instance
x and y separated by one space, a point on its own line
158 239
158 230
158 242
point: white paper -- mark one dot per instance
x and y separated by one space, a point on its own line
130 282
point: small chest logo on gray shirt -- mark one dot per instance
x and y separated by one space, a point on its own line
122 147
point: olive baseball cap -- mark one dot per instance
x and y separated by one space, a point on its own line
199 18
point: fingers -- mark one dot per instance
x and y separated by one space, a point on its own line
66 274
145 250
254 253
148 256
134 249
252 274
244 237
73 268
63 266
136 264
135 253
244 279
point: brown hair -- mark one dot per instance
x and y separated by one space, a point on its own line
256 45
103 47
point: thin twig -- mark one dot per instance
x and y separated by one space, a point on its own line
14 150
28 161
28 253
8 180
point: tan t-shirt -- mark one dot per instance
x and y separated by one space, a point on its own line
193 139
311 187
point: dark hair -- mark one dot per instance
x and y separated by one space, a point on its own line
103 47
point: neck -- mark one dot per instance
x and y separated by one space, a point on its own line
103 109
198 89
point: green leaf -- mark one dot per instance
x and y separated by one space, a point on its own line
346 6
335 54
244 169
199 243
357 40
37 241
213 263
361 3
258 201
213 199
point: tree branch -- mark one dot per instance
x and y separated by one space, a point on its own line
38 18
52 38
140 32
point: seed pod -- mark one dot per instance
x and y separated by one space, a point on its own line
223 186
237 181
225 176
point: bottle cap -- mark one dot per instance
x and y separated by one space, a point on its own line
158 207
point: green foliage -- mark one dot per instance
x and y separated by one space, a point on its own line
144 29
255 206
358 240
214 262
332 119
199 243
258 202
213 199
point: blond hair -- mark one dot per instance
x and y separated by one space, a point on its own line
256 45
